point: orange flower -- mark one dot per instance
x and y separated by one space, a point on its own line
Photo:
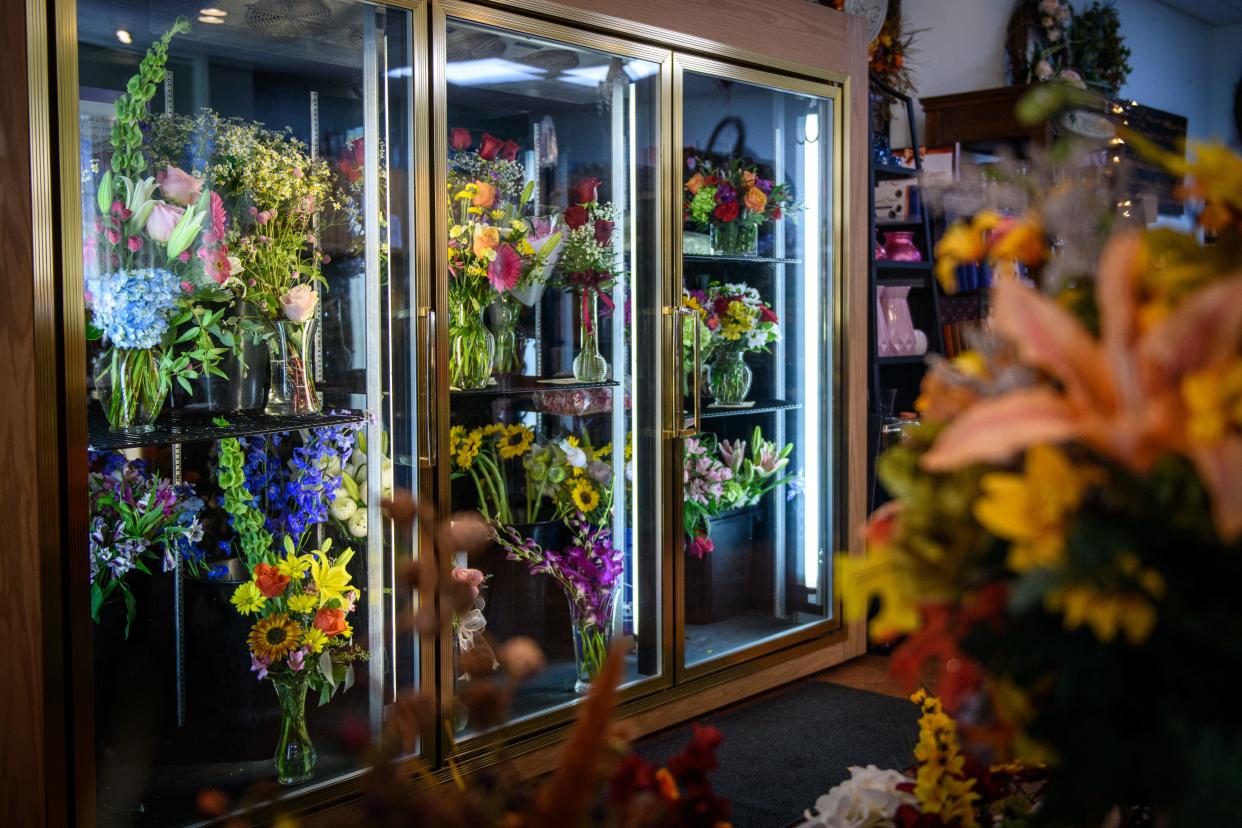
269 581
331 621
485 238
695 183
486 195
755 200
667 784
1122 394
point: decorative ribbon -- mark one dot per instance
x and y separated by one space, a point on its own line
468 626
591 281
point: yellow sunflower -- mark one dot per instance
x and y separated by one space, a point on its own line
456 434
469 449
515 442
274 637
585 497
494 428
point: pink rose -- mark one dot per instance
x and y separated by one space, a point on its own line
459 138
471 577
299 303
163 220
509 151
134 243
178 186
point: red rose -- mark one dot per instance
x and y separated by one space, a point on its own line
776 214
727 211
269 581
459 138
491 147
331 621
766 314
721 305
603 231
585 191
576 216
509 151
712 180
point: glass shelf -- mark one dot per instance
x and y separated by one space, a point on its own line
695 257
513 384
902 360
894 170
903 281
884 264
760 407
179 426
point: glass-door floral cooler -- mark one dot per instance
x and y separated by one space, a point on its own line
579 292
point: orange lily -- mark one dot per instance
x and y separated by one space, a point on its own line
1121 394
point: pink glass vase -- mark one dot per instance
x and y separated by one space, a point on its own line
895 311
899 245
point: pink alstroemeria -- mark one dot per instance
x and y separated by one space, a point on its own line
505 269
1121 394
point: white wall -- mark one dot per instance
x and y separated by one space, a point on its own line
1179 64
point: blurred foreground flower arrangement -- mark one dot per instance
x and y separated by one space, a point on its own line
1065 536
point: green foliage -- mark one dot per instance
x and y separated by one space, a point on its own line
248 521
131 108
1100 51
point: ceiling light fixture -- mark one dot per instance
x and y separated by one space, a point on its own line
212 20
124 36
213 12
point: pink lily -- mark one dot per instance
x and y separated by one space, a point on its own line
1121 394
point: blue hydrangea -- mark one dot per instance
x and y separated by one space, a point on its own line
133 307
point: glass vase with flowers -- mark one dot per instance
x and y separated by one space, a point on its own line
731 200
739 322
491 251
588 265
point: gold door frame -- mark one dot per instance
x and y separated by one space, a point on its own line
541 727
830 326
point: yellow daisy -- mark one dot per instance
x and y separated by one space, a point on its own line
315 639
274 637
515 442
302 603
585 497
293 565
247 598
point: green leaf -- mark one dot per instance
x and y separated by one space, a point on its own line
189 334
97 599
185 384
289 548
220 421
103 196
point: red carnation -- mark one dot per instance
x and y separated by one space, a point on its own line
576 216
766 314
603 231
727 211
776 214
712 180
509 151
459 138
585 191
491 147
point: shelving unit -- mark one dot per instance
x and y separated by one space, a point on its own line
904 373
180 426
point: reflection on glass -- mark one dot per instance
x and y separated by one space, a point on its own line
552 278
757 495
245 219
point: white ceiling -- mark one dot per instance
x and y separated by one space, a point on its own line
1212 12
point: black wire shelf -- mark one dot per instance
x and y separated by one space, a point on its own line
902 360
521 384
696 257
885 264
894 170
180 426
760 407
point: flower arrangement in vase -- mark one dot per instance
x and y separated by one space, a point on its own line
270 203
145 287
721 475
492 252
589 571
730 200
588 265
480 454
1070 475
136 516
738 322
301 639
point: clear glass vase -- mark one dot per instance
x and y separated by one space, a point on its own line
735 239
592 636
505 311
472 349
589 365
295 755
729 377
131 389
292 369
